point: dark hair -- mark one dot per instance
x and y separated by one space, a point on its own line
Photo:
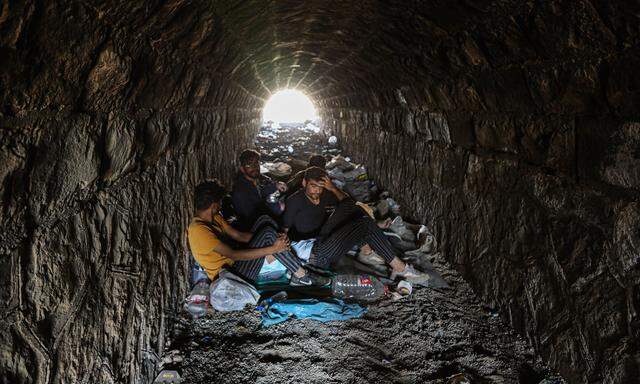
208 192
314 173
248 155
317 161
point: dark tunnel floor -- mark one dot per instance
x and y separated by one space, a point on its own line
432 336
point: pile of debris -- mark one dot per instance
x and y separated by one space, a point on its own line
289 143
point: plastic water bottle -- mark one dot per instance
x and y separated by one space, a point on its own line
365 288
198 273
273 198
198 301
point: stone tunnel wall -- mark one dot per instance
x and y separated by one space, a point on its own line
93 273
529 175
105 129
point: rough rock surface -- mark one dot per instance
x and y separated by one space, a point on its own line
511 125
523 158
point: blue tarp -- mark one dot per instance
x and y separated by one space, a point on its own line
328 310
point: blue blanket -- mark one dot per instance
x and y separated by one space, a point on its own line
329 310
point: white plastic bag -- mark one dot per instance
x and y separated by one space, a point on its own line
303 248
230 292
271 271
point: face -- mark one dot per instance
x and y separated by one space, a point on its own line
313 188
215 208
252 169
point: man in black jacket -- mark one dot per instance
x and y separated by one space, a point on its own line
321 211
251 191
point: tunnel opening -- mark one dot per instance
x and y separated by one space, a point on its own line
289 106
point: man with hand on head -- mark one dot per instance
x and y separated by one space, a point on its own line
211 239
295 183
308 217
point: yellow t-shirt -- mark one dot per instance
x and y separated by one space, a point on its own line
203 237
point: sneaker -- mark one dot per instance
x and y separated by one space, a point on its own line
370 259
412 275
308 280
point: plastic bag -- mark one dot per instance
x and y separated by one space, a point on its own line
230 292
272 271
303 248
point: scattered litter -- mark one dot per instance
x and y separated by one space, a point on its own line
358 173
230 292
382 208
398 226
272 271
290 149
303 248
364 288
337 174
460 378
172 357
198 300
434 279
278 169
197 272
404 288
395 296
312 128
359 190
393 206
426 240
168 377
333 140
341 163
398 242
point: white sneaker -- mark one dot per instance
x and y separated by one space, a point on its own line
412 275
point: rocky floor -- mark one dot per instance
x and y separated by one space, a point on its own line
441 335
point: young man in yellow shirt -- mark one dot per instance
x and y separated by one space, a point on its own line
210 239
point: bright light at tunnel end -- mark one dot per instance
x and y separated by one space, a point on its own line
289 106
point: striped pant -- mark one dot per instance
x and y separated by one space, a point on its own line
347 227
264 234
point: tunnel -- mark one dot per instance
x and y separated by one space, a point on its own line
511 127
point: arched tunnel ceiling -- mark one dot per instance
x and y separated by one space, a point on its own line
333 49
359 51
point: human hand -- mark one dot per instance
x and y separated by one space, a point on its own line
270 259
282 187
282 206
328 184
281 243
